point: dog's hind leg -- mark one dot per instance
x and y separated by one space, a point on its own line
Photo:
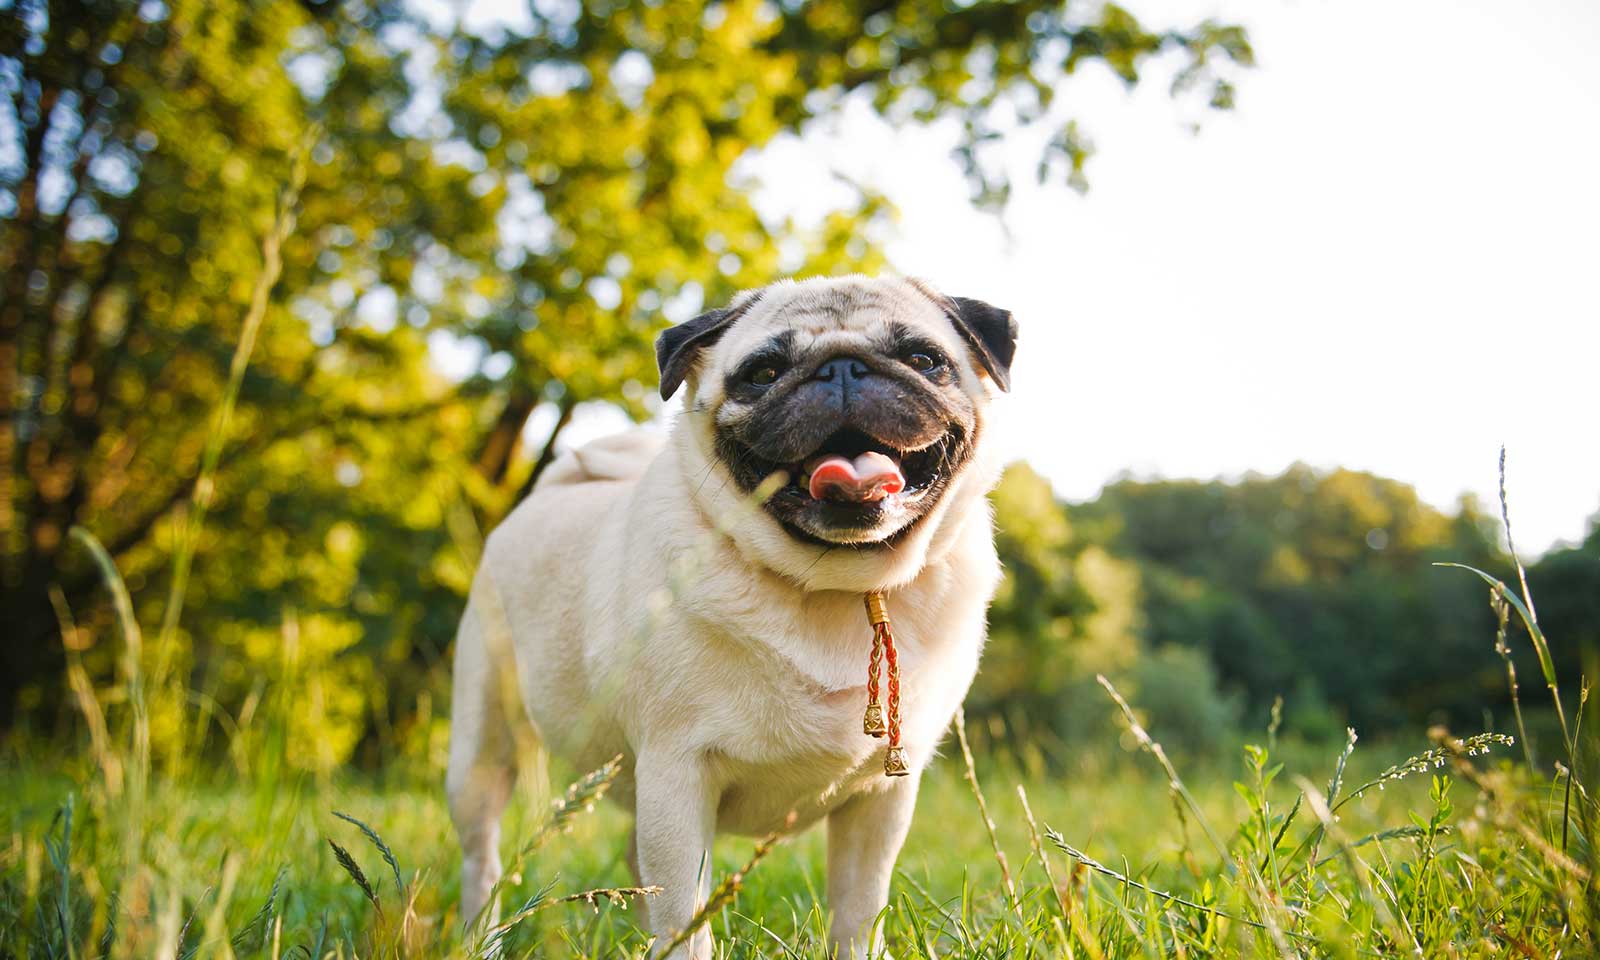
483 752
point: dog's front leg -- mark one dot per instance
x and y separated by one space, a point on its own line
674 824
864 838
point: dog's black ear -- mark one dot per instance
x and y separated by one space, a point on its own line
677 347
992 334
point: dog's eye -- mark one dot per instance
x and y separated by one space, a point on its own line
763 376
921 362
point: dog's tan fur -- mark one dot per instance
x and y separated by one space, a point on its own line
647 608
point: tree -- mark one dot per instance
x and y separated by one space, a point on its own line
542 193
1315 582
1065 611
1318 586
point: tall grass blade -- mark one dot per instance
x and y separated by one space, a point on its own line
259 926
494 937
137 769
1128 882
60 852
581 796
1431 759
1363 876
1407 832
185 952
1283 828
83 694
1577 757
1511 543
1173 780
1540 645
1039 851
1530 620
1337 780
261 295
322 939
383 848
113 913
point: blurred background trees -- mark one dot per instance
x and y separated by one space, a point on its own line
496 218
1214 598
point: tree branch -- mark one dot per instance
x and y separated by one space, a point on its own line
494 455
547 453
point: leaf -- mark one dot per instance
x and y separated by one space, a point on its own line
1542 648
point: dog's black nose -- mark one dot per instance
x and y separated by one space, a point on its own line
842 370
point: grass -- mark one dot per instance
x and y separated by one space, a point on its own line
1453 851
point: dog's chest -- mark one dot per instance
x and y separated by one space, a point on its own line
802 751
774 711
789 735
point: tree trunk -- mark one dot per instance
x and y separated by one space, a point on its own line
31 654
494 456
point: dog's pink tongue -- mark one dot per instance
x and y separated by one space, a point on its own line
871 476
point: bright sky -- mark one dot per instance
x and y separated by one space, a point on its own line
1385 258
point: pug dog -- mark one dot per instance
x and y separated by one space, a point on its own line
694 603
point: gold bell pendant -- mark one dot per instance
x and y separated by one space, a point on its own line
895 764
873 724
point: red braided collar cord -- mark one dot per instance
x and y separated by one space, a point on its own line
876 723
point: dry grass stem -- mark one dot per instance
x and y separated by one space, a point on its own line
728 888
983 811
261 294
1174 782
1063 894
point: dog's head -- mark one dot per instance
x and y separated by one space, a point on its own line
850 407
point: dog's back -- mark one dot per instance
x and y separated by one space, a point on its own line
620 456
515 644
539 582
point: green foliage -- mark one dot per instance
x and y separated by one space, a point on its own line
1182 693
1316 586
1059 615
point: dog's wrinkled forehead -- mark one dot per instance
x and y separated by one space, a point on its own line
834 314
844 313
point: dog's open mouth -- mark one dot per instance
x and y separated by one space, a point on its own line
853 487
851 467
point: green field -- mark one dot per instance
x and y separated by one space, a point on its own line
1471 866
